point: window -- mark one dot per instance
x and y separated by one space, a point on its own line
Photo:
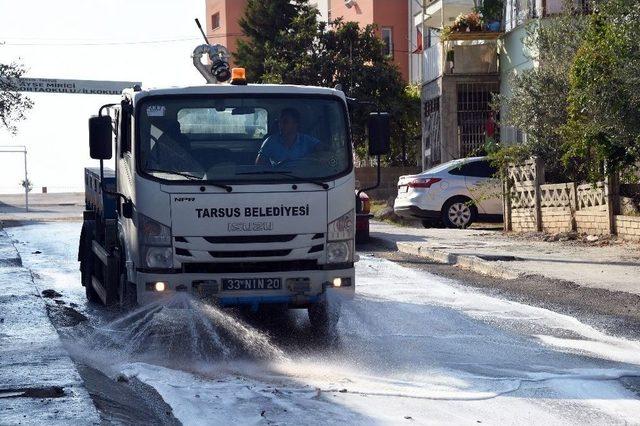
482 169
215 21
387 39
239 123
219 138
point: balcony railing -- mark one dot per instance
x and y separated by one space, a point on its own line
432 58
460 57
517 12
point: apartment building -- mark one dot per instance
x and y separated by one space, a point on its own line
394 18
460 77
462 74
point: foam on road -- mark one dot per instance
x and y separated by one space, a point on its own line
413 347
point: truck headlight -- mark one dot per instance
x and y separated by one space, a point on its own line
155 243
342 228
153 233
159 257
340 251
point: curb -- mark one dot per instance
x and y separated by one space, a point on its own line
473 263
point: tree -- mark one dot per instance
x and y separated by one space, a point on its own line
279 34
603 127
538 102
286 44
13 104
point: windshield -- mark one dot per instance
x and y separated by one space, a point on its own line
237 139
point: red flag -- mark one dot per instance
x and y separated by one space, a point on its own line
419 42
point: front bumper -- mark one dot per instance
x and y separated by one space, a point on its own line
294 292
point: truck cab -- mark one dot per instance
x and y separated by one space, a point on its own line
242 195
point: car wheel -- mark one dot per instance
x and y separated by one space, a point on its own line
458 212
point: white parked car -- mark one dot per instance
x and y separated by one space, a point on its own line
455 194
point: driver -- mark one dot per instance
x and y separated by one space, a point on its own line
288 144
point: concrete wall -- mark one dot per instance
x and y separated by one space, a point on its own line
366 176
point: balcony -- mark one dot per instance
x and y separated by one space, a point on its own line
469 54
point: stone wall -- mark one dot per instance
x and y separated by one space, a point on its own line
523 220
366 176
628 227
531 205
592 221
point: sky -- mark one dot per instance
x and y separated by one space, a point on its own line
68 39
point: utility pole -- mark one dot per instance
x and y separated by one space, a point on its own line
23 150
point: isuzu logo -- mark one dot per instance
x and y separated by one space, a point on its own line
249 226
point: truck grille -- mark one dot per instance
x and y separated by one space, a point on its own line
250 253
244 239
244 248
249 267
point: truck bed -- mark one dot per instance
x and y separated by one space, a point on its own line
95 200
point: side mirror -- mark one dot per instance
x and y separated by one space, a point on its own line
100 137
379 133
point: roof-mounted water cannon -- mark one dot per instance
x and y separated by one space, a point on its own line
217 70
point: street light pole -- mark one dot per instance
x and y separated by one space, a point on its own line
12 149
26 182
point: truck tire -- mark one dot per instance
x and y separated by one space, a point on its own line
87 263
128 294
324 317
362 236
126 289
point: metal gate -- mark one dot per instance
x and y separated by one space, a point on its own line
476 119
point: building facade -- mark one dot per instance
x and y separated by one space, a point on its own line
392 17
462 75
222 22
460 78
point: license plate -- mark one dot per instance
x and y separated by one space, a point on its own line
232 284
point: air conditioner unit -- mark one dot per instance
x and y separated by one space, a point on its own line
349 3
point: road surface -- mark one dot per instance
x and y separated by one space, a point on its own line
413 348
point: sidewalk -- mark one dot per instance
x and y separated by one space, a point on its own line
39 384
42 207
615 267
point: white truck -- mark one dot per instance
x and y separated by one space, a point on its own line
237 193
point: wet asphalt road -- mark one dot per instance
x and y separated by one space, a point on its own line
412 347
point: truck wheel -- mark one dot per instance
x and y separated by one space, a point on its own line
86 271
126 289
128 294
362 236
324 317
85 256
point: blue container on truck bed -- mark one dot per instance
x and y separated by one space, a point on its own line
95 199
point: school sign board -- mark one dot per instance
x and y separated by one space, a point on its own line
83 87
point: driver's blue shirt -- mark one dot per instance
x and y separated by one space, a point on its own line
275 151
